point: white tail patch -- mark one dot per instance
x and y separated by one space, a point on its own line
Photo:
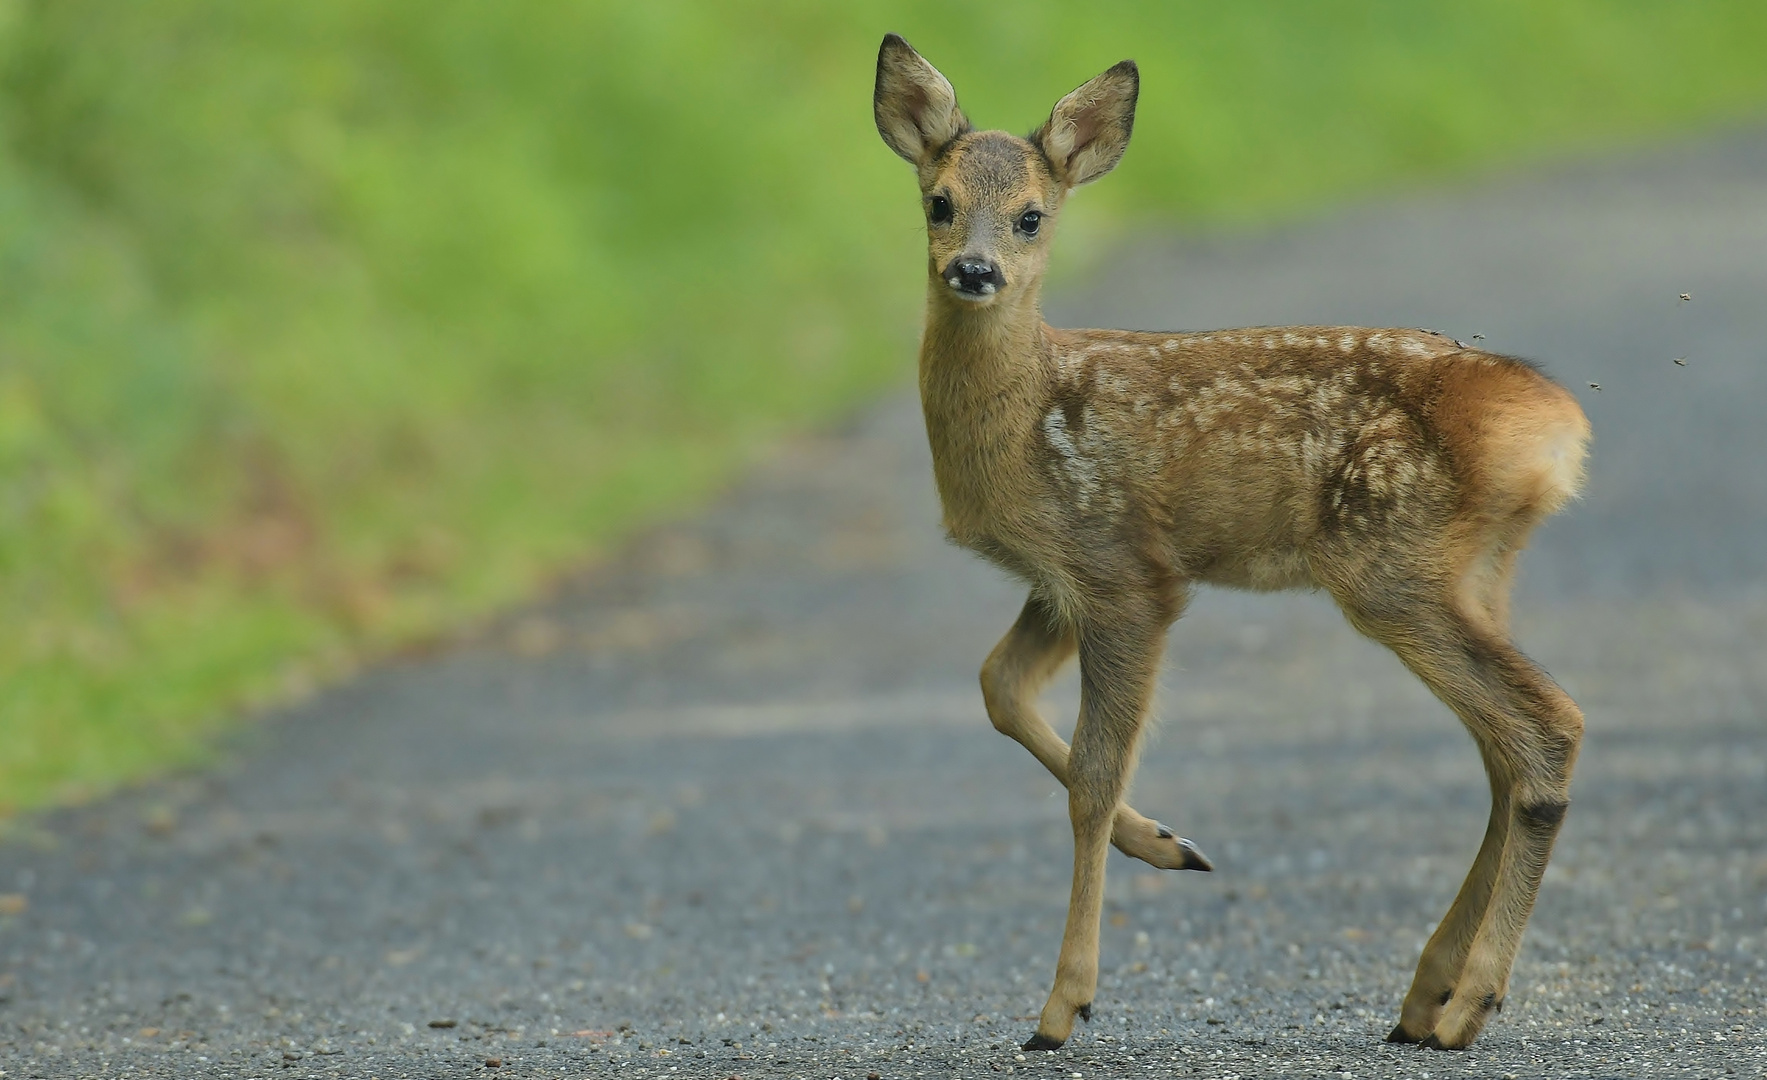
1560 463
1539 460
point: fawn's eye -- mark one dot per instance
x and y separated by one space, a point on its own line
938 210
1029 221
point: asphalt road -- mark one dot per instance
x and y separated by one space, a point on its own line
730 805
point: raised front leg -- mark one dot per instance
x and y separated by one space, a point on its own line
1019 667
1117 665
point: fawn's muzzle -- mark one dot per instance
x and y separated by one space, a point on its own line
973 275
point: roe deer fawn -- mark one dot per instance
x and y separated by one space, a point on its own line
1113 471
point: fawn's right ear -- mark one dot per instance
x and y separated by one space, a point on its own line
915 107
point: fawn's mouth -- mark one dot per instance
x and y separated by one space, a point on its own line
973 292
974 278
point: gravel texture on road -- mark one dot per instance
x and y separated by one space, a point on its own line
730 806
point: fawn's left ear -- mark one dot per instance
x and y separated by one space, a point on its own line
915 107
1088 131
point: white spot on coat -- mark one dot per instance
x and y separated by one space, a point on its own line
1080 469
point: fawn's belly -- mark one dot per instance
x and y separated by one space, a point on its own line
1263 571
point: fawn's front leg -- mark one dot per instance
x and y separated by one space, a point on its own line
1027 657
1117 665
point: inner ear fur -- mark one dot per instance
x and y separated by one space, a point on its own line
915 107
1088 130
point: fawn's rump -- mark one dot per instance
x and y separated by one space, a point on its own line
1510 446
1521 436
1522 439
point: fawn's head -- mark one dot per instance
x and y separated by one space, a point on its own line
992 198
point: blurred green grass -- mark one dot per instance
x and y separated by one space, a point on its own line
326 326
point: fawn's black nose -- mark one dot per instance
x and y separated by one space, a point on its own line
974 275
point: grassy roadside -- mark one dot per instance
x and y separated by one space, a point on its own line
325 326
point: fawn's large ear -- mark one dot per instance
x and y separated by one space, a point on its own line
916 108
1089 129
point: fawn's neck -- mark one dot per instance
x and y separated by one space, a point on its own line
984 376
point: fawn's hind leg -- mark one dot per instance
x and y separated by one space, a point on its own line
1486 595
1025 660
1444 956
1528 731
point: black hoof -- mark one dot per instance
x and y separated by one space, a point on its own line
1041 1041
1400 1035
1193 858
1433 1043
